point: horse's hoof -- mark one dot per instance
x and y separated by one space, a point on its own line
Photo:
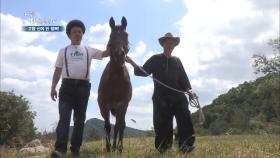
113 148
120 150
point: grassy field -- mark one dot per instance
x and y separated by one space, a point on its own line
233 146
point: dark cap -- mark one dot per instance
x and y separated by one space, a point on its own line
73 23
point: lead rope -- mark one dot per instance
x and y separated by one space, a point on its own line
193 100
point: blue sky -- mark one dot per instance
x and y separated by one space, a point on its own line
144 17
218 39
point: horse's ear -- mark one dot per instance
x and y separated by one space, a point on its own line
112 22
124 22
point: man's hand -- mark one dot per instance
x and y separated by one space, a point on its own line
191 93
106 53
53 94
56 77
128 60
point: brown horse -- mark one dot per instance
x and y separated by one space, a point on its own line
114 92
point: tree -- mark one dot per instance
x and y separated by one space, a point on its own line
16 119
265 65
252 107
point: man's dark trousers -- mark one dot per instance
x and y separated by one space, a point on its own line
163 113
73 95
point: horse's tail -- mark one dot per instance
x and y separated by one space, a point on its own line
113 112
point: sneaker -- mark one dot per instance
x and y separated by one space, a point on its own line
57 154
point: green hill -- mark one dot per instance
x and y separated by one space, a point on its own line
251 107
94 129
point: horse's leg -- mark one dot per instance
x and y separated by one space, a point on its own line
106 115
121 128
116 131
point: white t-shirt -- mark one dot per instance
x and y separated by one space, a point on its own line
77 61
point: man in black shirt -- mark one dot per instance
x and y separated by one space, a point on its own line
168 103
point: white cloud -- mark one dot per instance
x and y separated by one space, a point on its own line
142 96
94 63
27 68
19 57
11 30
99 34
27 62
98 38
93 96
63 23
12 34
209 89
140 107
270 5
144 122
218 39
139 50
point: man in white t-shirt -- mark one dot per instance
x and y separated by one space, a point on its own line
73 64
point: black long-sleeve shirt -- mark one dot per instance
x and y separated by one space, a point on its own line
170 71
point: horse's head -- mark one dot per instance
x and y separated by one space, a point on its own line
118 41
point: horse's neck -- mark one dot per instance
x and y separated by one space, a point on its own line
117 69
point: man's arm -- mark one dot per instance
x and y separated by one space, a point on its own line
56 77
145 70
105 53
131 62
184 80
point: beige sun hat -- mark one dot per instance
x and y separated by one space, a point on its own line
169 35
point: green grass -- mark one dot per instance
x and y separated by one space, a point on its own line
233 146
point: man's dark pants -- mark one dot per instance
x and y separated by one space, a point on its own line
73 95
163 112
